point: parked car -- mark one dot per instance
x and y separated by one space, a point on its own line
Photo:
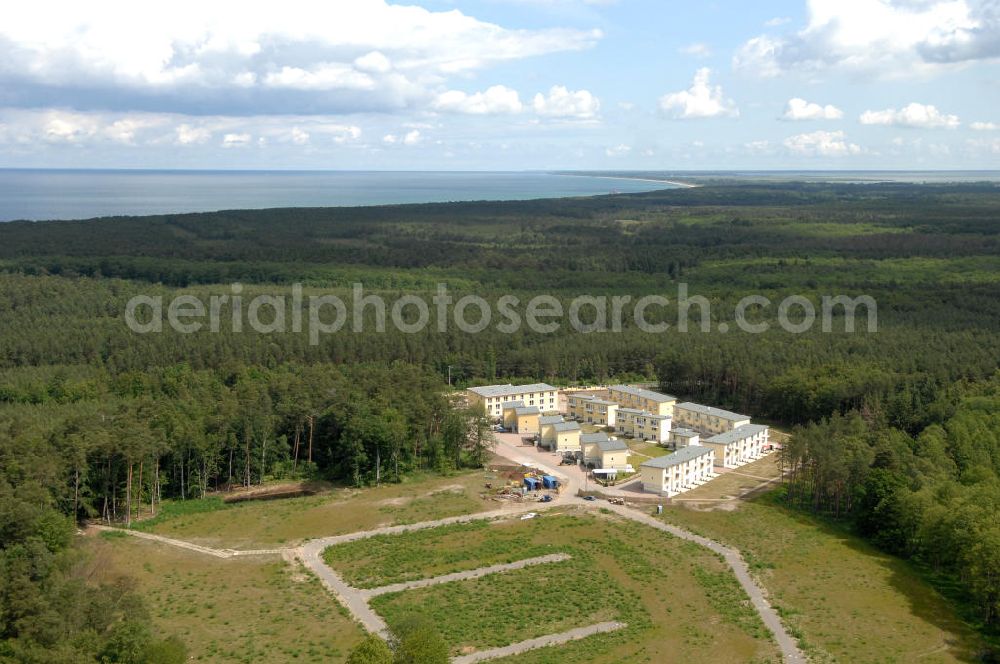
529 515
589 498
545 499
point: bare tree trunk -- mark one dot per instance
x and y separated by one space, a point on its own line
76 493
128 497
295 450
138 502
311 423
263 459
154 493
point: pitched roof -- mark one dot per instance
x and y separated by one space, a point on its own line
643 393
684 433
507 405
508 389
680 456
612 445
593 437
737 434
527 410
566 426
550 419
710 410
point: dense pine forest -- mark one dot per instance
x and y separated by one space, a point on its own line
897 430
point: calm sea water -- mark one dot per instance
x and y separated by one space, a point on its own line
81 194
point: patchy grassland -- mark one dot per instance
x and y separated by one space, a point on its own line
679 600
844 600
231 611
273 523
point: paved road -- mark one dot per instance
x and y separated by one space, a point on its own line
463 576
540 642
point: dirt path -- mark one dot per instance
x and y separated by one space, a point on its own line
218 553
788 645
463 576
356 600
540 642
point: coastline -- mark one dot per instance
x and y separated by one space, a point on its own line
676 183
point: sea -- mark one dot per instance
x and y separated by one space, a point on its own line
40 194
83 194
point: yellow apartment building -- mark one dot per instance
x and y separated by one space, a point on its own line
706 418
642 399
592 410
566 437
492 397
643 425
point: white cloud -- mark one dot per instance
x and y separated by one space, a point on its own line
912 115
496 99
800 109
777 21
883 38
374 62
299 136
822 144
619 150
985 126
390 139
412 137
327 76
189 54
568 104
757 147
697 50
187 135
235 140
701 100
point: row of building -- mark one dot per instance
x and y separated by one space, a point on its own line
703 436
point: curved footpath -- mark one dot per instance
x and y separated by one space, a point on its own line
355 600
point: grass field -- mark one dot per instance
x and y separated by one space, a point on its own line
272 523
735 482
846 601
679 600
231 611
387 559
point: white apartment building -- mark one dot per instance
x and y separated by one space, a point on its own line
684 469
739 446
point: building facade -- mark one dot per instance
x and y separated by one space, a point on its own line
739 446
592 410
681 437
643 425
642 399
493 397
677 472
706 418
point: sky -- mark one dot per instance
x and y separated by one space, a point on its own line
501 84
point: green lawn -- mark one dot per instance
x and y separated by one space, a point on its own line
846 601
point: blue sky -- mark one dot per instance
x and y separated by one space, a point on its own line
502 84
